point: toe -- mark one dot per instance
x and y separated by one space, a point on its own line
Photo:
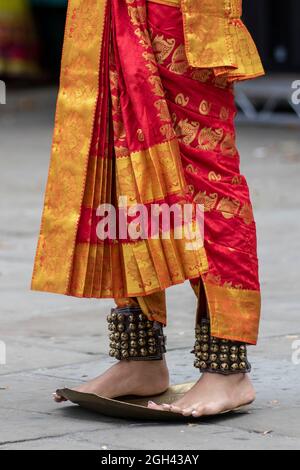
155 406
197 413
198 410
175 409
166 406
187 411
57 398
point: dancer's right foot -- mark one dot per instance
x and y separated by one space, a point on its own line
211 395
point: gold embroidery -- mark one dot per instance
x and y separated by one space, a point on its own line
209 201
140 135
191 189
71 144
244 307
221 81
212 176
152 67
237 179
228 147
162 48
228 207
163 110
172 3
191 169
148 175
217 280
143 276
145 40
179 63
216 38
137 14
113 78
187 131
119 131
209 138
247 214
182 100
157 85
202 75
205 107
224 113
167 131
121 151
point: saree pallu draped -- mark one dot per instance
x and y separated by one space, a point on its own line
148 126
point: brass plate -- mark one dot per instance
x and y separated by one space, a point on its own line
132 407
129 407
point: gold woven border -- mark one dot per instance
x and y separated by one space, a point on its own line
71 144
172 3
234 313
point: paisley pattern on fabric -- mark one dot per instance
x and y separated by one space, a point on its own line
127 158
215 37
203 111
104 147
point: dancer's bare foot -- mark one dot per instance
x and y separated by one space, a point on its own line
142 378
213 394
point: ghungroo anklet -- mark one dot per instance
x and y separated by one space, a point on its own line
218 355
132 336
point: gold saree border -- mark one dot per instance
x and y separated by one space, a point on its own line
150 175
134 269
234 313
216 37
146 176
76 106
171 3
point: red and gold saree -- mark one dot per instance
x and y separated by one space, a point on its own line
139 117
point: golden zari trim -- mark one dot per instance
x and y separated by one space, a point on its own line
172 3
234 312
150 174
71 143
139 268
216 37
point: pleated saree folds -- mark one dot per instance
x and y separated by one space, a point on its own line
145 117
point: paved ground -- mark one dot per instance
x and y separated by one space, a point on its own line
52 341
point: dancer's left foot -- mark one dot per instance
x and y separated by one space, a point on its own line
212 395
140 378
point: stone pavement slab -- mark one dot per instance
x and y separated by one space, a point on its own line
54 341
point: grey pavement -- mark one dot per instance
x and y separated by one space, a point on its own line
52 341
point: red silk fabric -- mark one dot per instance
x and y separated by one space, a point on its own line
150 98
211 164
202 110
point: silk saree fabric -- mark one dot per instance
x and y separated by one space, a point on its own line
215 37
203 110
151 127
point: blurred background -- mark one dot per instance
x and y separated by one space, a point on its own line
53 340
31 36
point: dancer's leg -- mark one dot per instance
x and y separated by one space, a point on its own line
139 345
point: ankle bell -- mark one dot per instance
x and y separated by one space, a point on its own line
133 336
217 355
